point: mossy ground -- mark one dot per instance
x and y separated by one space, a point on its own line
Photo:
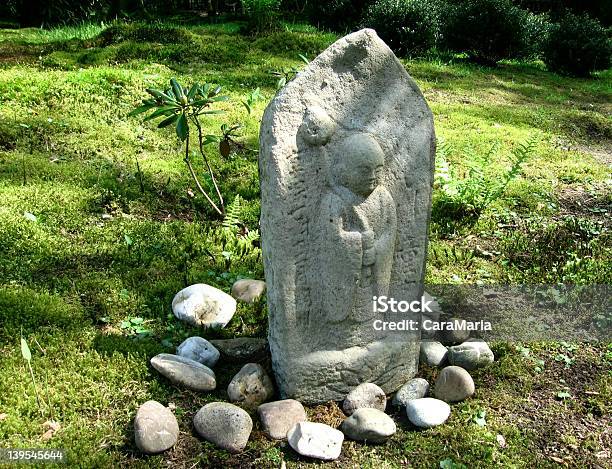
108 242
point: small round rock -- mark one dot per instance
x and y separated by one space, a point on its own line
248 290
369 425
155 428
278 417
251 386
225 425
199 350
454 384
427 412
471 355
203 305
416 388
316 440
365 395
433 353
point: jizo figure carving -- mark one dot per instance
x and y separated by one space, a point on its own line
346 168
358 223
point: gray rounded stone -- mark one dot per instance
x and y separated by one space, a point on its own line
155 428
427 412
203 305
199 350
455 336
365 395
471 355
416 388
433 353
251 386
248 290
241 349
225 425
184 372
316 440
454 384
278 417
369 425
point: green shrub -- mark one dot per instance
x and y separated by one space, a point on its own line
409 26
337 15
577 45
487 30
137 32
262 15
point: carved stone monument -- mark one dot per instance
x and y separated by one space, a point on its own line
346 168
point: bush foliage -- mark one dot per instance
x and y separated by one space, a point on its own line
487 30
409 27
577 45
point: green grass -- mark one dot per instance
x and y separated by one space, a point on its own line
109 243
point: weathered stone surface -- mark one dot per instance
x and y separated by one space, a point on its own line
155 428
248 290
433 353
241 349
251 386
226 425
433 315
365 395
203 305
316 440
455 335
346 165
427 412
454 384
369 425
416 388
470 355
199 350
185 372
278 417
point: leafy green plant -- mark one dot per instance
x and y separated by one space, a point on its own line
236 240
487 30
462 197
577 45
262 15
135 326
410 27
181 107
251 98
285 75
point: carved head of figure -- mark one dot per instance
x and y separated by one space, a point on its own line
358 163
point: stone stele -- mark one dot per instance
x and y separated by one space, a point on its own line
346 168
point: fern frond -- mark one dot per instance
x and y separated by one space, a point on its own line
232 214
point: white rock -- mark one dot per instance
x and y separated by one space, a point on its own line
199 350
316 440
203 305
427 412
155 428
248 290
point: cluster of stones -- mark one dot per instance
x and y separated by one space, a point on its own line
228 425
